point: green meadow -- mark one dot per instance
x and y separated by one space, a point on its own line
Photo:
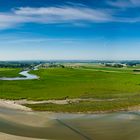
121 85
10 72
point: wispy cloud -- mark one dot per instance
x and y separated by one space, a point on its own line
136 2
49 15
120 3
124 3
8 20
75 15
64 14
75 4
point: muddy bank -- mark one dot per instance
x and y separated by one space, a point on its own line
20 104
19 125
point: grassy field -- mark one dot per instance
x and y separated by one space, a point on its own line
88 106
121 84
10 72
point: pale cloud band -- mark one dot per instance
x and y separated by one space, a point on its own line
124 3
67 14
48 15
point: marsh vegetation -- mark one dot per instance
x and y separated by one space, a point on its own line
84 81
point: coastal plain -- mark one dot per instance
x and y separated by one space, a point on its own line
88 88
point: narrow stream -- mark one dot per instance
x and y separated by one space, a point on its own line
26 74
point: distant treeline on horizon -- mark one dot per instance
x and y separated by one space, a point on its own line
31 63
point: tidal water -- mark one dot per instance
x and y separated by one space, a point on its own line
59 126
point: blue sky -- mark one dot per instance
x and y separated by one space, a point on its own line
69 29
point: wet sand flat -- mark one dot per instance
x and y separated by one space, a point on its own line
21 125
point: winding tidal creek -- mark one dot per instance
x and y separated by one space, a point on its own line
26 76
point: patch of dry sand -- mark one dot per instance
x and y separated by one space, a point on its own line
4 136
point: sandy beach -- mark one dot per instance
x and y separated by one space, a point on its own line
19 123
11 104
4 136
